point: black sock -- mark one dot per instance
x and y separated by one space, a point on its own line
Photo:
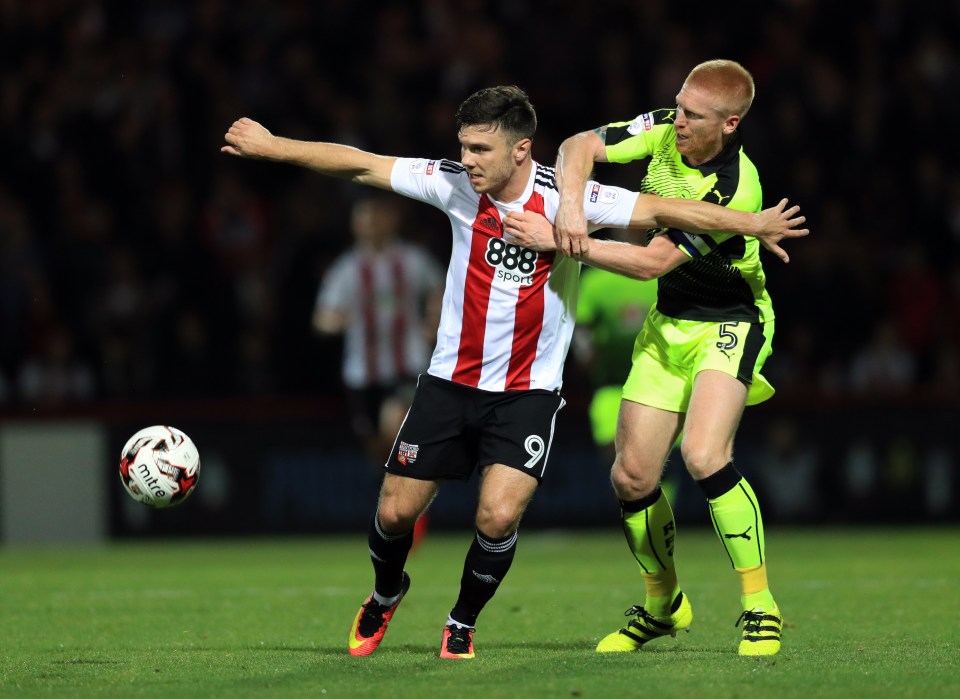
388 553
485 567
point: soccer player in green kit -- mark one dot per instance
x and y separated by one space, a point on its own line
697 360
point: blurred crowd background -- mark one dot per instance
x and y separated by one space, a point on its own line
139 263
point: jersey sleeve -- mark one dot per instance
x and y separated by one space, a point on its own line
429 181
604 205
627 141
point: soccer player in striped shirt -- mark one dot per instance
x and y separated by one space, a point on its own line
489 398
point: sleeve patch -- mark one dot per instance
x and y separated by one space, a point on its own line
422 167
603 195
644 122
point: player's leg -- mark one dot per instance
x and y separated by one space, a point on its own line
716 406
393 410
390 537
402 501
516 433
429 447
645 436
504 495
604 413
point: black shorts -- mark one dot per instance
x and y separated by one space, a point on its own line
453 429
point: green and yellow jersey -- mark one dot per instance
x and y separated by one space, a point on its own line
724 279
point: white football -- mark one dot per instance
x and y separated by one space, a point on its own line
159 466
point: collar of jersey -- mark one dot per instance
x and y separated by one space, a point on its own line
729 154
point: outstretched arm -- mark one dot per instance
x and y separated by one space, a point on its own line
249 139
533 231
770 226
574 164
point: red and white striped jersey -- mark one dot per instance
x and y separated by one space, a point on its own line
384 295
508 312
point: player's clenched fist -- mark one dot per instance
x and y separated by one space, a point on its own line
248 139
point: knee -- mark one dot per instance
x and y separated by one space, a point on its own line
497 521
396 516
701 461
630 481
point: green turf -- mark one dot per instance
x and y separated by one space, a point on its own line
868 614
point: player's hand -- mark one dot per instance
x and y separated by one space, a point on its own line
248 139
573 238
530 230
777 223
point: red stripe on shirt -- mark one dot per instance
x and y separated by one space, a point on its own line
528 322
476 296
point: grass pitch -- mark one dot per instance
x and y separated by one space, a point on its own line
869 613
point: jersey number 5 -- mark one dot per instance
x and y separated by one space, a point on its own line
728 338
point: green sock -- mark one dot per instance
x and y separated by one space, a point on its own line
650 530
737 521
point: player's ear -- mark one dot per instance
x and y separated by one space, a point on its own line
730 124
521 149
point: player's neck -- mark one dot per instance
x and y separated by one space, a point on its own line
514 188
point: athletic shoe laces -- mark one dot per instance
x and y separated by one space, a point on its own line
638 611
458 643
752 621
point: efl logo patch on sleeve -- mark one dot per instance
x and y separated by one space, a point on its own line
644 122
608 195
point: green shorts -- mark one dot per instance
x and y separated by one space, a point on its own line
669 353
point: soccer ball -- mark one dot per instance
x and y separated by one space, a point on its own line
159 466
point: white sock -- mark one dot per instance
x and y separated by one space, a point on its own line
453 622
385 601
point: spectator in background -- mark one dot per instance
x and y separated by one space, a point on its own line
384 296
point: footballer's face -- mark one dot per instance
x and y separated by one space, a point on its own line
700 124
492 162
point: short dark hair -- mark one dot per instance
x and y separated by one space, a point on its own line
506 107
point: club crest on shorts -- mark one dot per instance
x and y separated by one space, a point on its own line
407 453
